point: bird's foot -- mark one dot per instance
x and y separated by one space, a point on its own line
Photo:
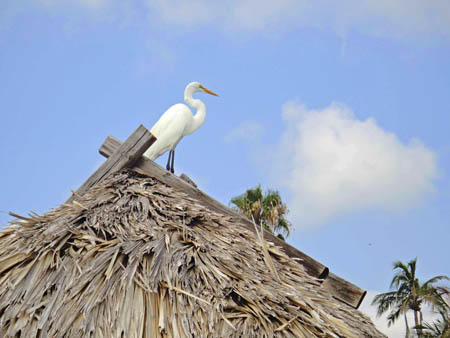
172 170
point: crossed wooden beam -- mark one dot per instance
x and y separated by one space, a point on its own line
129 154
120 157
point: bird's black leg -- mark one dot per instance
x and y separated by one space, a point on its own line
172 170
168 161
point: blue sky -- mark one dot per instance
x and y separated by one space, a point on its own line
343 107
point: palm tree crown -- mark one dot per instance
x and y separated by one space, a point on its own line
408 294
266 209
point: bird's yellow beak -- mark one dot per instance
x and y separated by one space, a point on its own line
208 91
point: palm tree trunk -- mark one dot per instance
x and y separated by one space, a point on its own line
420 331
416 320
407 327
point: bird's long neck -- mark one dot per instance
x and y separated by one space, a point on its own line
199 117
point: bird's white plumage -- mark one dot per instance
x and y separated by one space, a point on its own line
169 130
177 122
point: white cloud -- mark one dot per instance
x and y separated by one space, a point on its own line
333 163
246 131
397 330
183 12
389 18
258 14
93 4
392 18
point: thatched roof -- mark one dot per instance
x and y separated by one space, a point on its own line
135 258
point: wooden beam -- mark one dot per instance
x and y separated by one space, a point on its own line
122 156
343 290
338 287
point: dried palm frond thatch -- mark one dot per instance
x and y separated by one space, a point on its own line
135 258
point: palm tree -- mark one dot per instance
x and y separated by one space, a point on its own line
266 209
440 328
408 294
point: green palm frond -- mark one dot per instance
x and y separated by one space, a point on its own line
435 280
440 328
385 301
265 209
403 274
409 294
283 227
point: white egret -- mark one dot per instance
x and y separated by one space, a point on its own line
177 122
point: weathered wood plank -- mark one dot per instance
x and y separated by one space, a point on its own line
122 156
338 287
343 290
109 146
187 179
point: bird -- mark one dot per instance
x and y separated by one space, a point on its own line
177 122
